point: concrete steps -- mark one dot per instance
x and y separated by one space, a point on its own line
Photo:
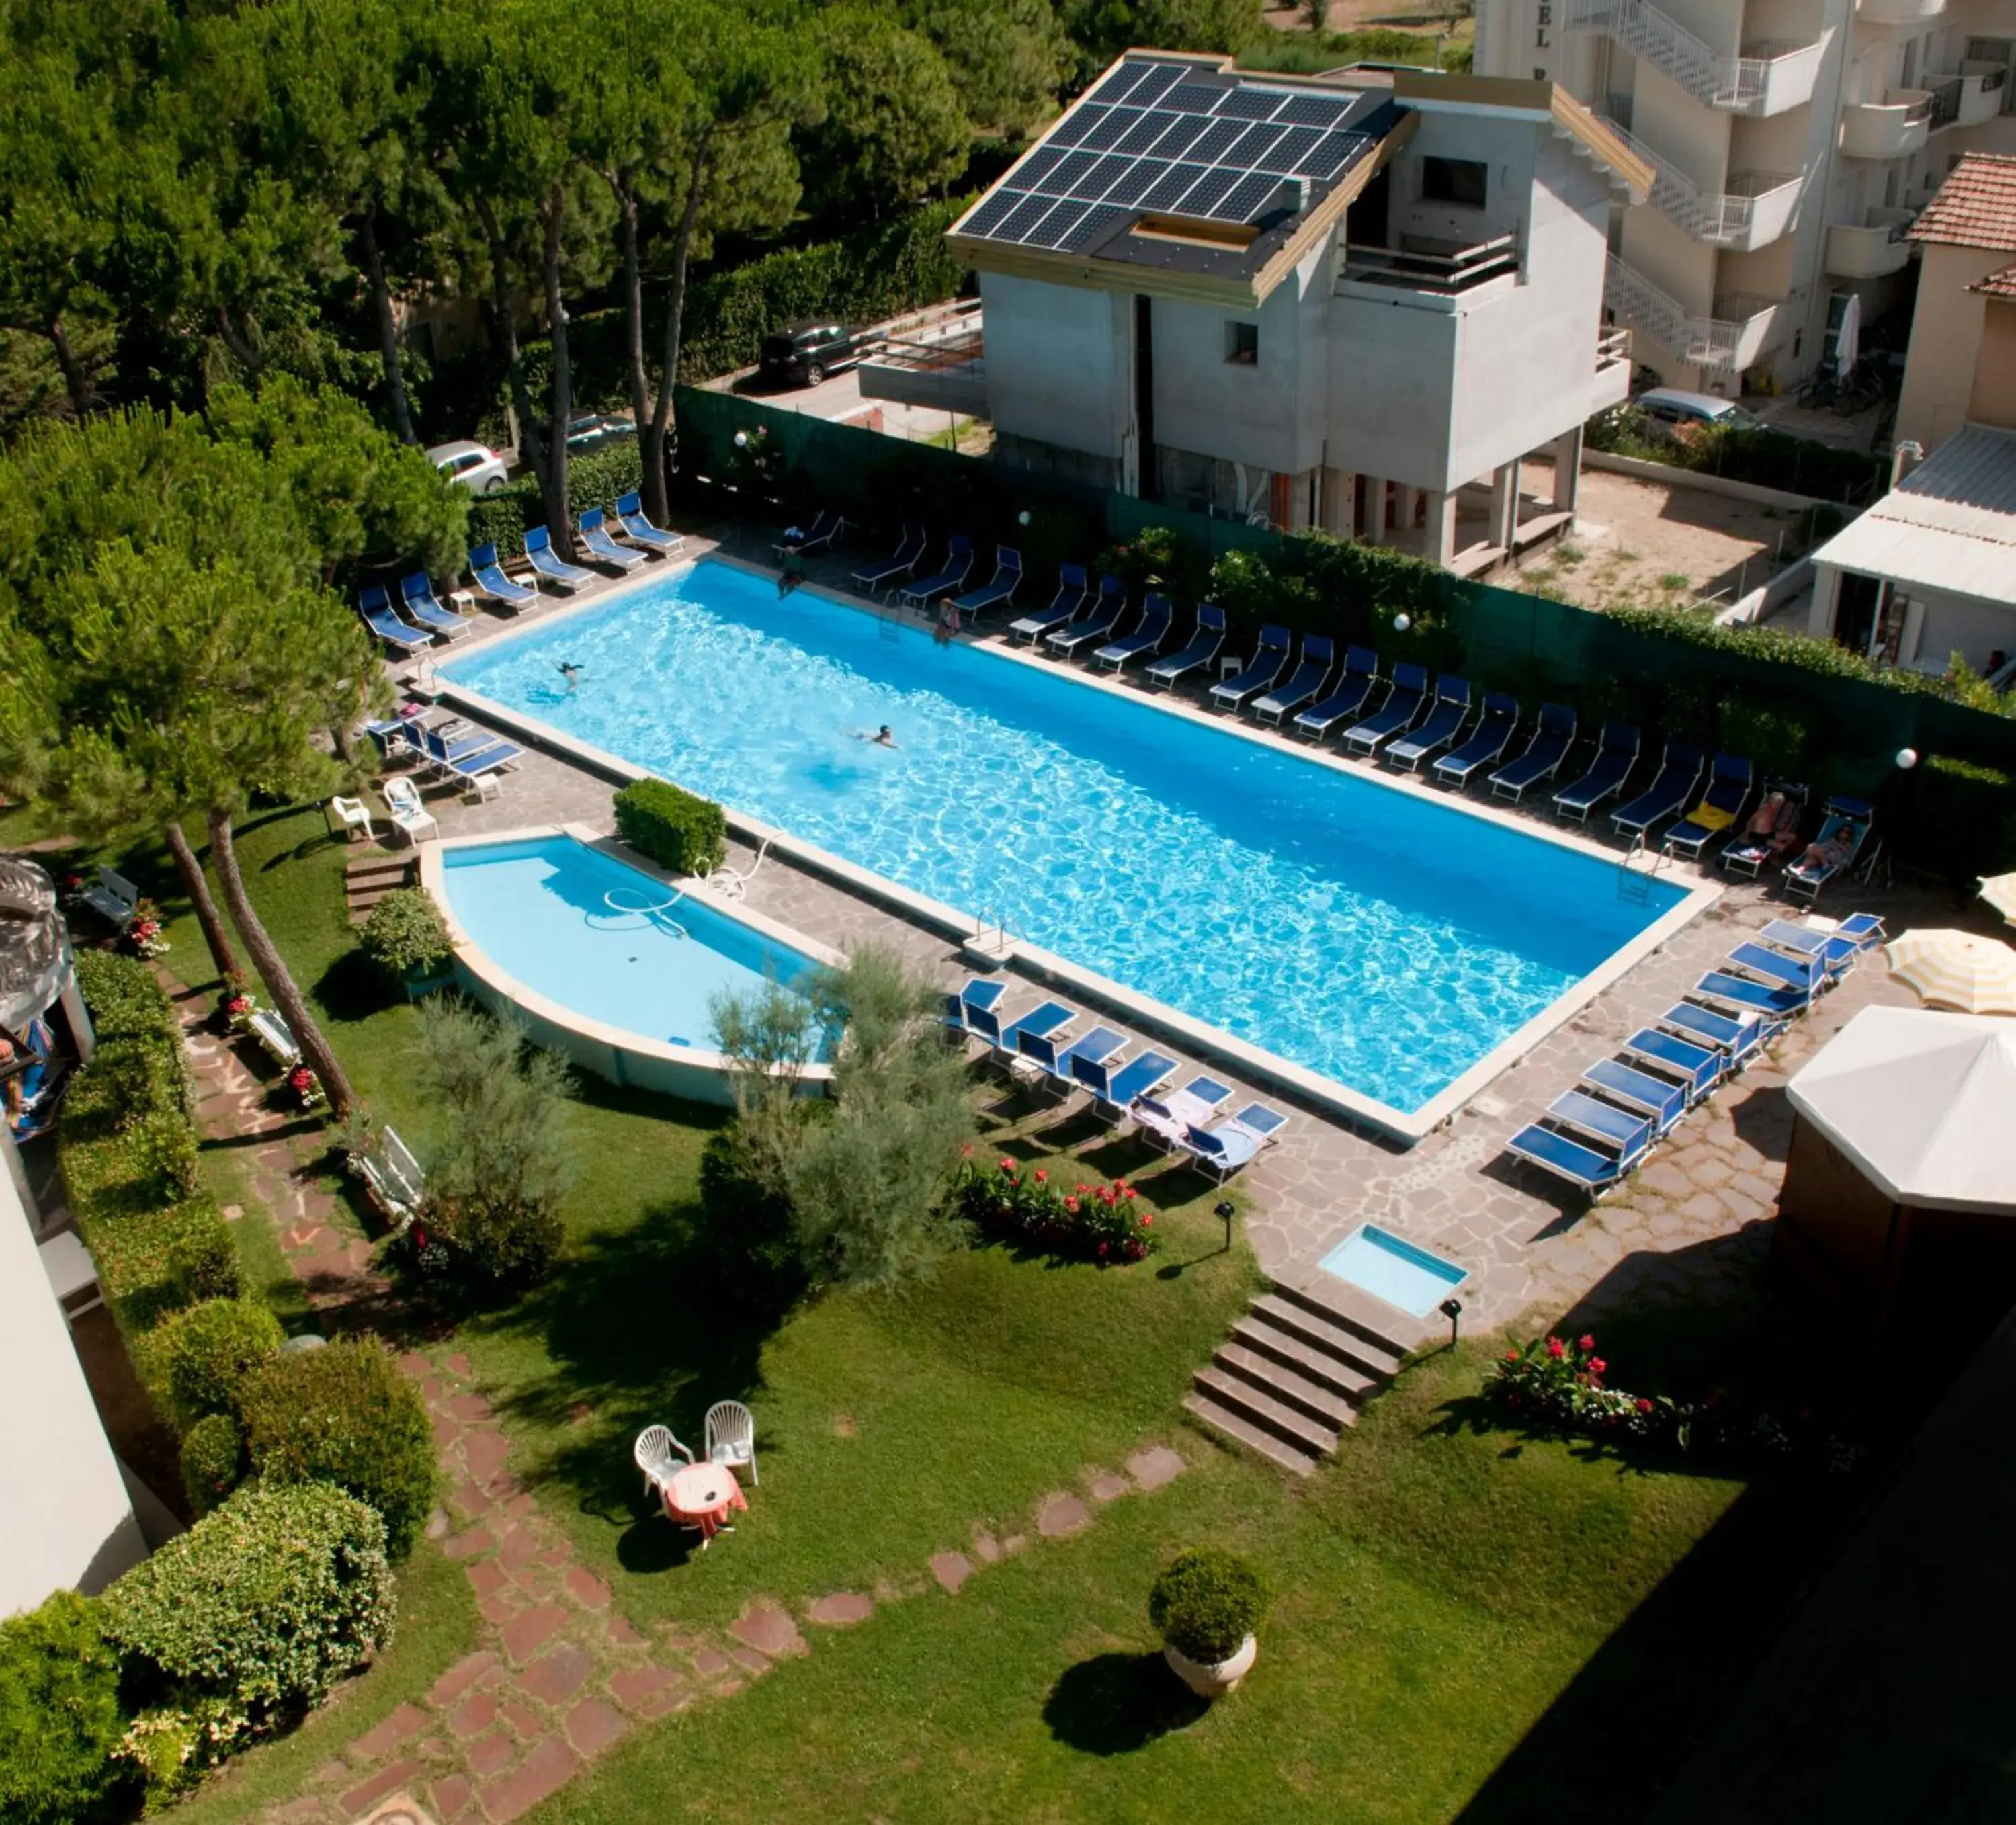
368 878
1297 1369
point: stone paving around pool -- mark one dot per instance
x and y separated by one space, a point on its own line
1691 1222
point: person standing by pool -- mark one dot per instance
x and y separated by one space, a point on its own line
794 571
948 621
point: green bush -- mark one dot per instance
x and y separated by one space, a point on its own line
745 1240
213 1460
404 935
678 830
262 1606
1769 458
198 1361
1964 815
595 479
125 997
60 1718
345 1415
1207 1602
1776 740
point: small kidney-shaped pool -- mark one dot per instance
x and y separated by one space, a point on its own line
611 964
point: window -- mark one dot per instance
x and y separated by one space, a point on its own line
1242 344
1453 180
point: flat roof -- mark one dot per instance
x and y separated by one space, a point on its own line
1950 527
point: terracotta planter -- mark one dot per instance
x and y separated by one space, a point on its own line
1213 1681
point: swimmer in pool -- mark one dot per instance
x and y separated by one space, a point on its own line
571 672
883 737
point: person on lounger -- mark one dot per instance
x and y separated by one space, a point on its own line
1829 852
1764 820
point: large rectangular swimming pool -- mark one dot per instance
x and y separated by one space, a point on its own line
1374 937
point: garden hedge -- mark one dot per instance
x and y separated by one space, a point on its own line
404 934
60 1715
678 830
213 1460
595 479
1770 458
198 1361
345 1415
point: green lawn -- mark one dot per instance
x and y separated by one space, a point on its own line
1467 1622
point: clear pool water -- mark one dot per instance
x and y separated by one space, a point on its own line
580 928
1394 1270
1382 941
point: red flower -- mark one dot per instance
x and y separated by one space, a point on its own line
1042 1178
1587 1342
1146 1219
965 1152
1511 1355
1644 1405
1070 1204
1596 1365
1102 1248
1008 1166
1554 1348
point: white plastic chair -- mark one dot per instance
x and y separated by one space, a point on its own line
408 809
731 1437
653 1452
353 814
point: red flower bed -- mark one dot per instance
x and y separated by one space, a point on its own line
1103 1223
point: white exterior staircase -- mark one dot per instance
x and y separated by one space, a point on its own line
1772 78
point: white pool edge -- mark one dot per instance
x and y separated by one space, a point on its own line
570 1022
1340 1100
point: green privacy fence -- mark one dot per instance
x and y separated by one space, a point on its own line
1793 707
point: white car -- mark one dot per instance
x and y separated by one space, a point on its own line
476 466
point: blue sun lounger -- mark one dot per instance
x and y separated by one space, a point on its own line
1201 650
489 578
1348 701
1304 685
1146 639
1440 726
1049 1019
469 759
1727 798
1073 597
827 527
1544 754
1040 1063
1849 817
594 528
1490 738
375 607
1795 975
1262 671
957 567
984 992
1096 626
1680 773
417 598
1629 1131
1616 754
1738 1039
539 553
1834 950
1397 715
1114 1085
636 524
1772 1010
902 563
1591 1170
999 589
1226 1147
1160 1117
1665 1101
1698 1067
1747 852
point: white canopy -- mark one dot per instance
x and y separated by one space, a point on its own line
1922 1103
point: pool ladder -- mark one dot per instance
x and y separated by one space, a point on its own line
991 938
1635 876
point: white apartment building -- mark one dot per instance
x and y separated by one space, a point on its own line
1794 142
1354 303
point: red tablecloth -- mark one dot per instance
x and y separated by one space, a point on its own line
704 1494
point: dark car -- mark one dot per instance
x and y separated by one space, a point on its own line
804 354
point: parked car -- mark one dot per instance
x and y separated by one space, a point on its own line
803 354
1667 406
476 466
590 430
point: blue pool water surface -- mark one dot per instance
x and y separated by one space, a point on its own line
1378 939
542 909
1394 1270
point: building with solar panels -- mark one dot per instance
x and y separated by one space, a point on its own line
1353 303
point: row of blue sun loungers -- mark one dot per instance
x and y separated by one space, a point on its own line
1040 1048
1600 1131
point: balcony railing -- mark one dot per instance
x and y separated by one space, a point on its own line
1420 264
1876 246
1732 338
1893 128
1753 212
1765 79
1968 96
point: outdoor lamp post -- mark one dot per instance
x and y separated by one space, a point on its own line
1401 622
1907 758
1022 518
1451 1309
1226 1212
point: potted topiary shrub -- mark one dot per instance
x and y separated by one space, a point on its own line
405 936
1207 1605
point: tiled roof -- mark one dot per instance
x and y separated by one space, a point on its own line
1997 284
1976 205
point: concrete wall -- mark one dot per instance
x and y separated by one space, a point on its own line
1059 363
1993 400
1945 344
66 1521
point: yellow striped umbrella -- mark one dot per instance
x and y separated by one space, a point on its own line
1957 970
1999 891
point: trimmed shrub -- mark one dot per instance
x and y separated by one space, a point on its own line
1207 1602
345 1415
60 1718
404 935
746 1241
199 1361
676 828
125 997
594 479
213 1460
260 1607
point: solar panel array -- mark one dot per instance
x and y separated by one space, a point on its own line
1150 138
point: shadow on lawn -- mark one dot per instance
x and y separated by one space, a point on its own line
1114 1704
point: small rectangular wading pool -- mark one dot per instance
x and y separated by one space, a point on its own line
1394 1270
1364 942
612 965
